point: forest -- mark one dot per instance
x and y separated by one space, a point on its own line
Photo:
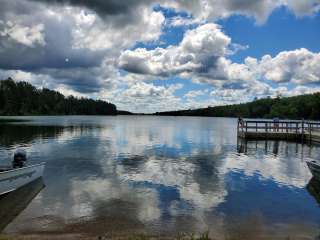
298 107
22 98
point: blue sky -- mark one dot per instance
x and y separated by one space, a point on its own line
159 55
283 31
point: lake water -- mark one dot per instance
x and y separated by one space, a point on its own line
163 175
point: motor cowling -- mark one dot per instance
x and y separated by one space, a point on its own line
19 158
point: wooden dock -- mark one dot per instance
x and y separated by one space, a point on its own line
297 130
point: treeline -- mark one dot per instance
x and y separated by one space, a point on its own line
21 98
298 107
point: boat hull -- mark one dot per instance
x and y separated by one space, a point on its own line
315 169
13 179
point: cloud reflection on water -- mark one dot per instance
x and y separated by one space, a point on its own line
166 174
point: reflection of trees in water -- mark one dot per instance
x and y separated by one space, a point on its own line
12 204
12 134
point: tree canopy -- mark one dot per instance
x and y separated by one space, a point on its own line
304 106
21 98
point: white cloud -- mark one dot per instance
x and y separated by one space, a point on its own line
26 35
195 93
298 66
97 41
144 97
303 8
94 33
259 10
54 33
198 51
301 90
179 21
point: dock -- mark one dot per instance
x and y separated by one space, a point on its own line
287 130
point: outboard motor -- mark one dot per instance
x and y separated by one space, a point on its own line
19 158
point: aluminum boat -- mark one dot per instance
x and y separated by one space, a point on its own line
314 167
14 178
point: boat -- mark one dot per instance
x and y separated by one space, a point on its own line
314 167
14 178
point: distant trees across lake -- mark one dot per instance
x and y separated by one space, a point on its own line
21 98
298 107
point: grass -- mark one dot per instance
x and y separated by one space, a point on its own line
3 237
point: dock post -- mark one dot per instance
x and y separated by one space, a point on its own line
238 128
310 132
302 130
266 130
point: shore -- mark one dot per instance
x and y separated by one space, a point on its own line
250 230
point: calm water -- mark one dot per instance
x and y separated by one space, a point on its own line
163 175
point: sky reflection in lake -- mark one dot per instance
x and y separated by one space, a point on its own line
163 174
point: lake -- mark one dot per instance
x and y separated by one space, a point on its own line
162 176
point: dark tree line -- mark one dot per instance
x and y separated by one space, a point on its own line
298 107
21 98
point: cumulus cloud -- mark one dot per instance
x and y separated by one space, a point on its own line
298 66
95 33
145 97
201 55
259 10
195 93
302 8
68 45
44 45
81 48
199 50
125 11
28 36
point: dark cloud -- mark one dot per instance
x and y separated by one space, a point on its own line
50 42
209 63
234 85
46 52
115 12
103 7
76 46
55 50
19 57
79 79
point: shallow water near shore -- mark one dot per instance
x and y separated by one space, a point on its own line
163 175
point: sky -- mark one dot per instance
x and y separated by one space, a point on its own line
161 55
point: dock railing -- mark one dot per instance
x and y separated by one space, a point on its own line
302 127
